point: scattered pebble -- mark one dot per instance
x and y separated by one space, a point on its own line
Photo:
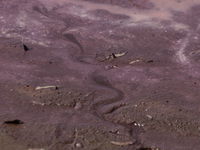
78 145
137 124
149 61
26 86
150 117
25 48
14 122
78 105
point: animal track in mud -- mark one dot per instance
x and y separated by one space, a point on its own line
73 39
100 81
106 99
103 82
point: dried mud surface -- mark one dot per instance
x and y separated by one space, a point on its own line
99 74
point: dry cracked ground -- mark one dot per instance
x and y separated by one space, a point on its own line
99 74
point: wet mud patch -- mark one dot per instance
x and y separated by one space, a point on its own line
188 17
99 74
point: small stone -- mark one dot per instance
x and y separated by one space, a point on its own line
150 117
25 48
78 145
14 122
149 61
78 105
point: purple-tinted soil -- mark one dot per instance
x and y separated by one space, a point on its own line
99 75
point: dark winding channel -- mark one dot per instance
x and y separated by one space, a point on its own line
97 79
102 81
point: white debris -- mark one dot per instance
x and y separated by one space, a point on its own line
132 62
78 145
120 54
44 87
37 103
121 143
150 117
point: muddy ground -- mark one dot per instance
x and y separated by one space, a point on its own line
99 75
